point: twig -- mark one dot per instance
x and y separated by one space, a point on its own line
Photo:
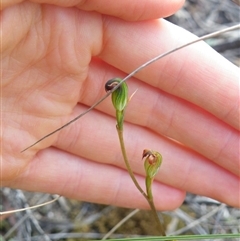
132 74
119 224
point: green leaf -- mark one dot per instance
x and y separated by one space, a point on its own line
181 237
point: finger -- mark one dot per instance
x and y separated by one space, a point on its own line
43 71
197 73
128 10
55 171
134 10
95 138
170 116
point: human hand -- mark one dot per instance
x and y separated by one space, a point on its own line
56 61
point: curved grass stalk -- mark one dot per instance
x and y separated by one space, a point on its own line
132 74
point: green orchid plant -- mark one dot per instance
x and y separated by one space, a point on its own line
153 159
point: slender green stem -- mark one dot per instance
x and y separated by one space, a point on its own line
154 211
120 135
149 182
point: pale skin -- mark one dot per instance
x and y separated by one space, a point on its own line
55 63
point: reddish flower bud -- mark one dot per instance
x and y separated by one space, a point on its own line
152 162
